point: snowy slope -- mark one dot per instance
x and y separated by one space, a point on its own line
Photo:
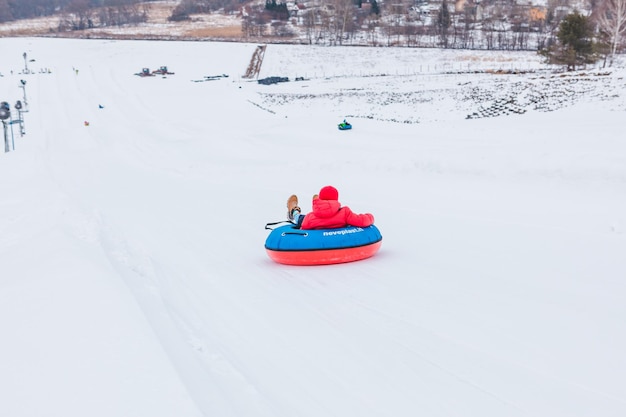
133 279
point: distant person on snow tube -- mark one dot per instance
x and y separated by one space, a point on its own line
327 212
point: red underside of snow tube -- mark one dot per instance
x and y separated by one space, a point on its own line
324 256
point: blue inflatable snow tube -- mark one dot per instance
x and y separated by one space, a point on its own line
289 245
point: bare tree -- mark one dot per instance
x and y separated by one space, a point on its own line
122 12
253 21
5 12
372 23
467 21
612 20
395 22
443 23
344 17
78 15
309 19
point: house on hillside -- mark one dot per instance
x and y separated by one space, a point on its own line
425 11
295 8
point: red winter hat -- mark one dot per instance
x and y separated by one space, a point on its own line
329 193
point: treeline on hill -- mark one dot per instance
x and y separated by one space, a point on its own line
463 24
78 14
186 8
555 27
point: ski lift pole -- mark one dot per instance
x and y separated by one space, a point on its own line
5 113
6 137
12 135
20 113
23 87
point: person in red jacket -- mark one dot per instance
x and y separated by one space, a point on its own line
327 212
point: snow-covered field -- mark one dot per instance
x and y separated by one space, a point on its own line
133 277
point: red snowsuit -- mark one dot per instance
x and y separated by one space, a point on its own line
328 214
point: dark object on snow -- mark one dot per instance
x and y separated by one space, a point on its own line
211 78
214 77
145 72
273 80
162 71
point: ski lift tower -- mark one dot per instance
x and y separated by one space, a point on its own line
255 62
